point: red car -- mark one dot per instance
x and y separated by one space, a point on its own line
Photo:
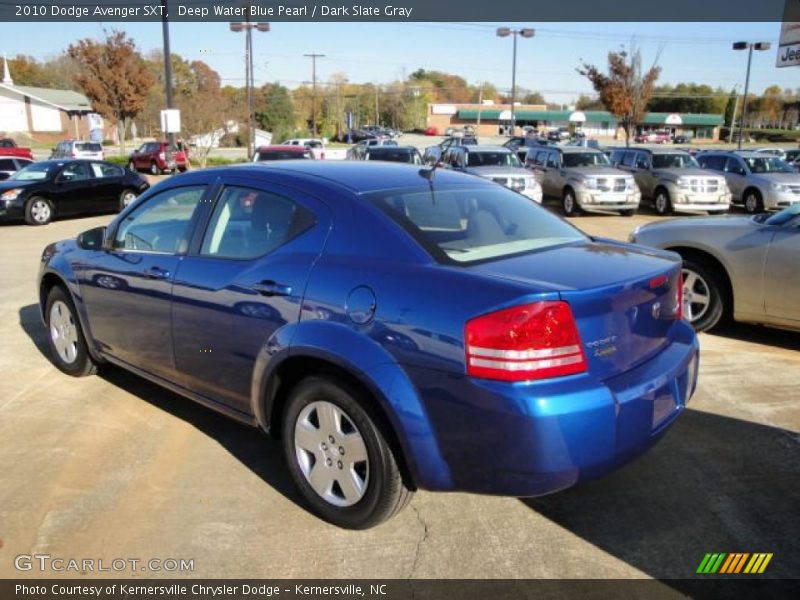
153 157
8 147
653 137
282 152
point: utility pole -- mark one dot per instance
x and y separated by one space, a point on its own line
480 104
314 58
167 73
733 119
248 27
377 119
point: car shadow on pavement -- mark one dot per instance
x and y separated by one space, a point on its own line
260 453
758 334
712 484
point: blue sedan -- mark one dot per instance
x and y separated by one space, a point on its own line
398 328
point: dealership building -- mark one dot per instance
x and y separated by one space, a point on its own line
495 119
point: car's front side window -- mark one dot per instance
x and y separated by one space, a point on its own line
249 223
161 223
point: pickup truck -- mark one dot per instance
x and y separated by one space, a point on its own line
8 147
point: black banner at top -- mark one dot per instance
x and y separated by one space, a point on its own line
401 10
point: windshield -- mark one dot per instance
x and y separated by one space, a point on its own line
674 161
466 224
402 156
33 172
493 159
768 164
586 159
784 216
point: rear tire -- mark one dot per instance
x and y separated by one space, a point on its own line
662 202
569 204
704 294
753 202
38 211
154 170
65 336
338 457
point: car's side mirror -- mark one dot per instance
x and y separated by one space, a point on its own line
92 239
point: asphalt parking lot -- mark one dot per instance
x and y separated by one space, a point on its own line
112 466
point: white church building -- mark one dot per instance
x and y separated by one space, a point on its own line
44 114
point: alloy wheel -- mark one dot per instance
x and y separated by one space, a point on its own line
751 203
40 211
661 203
63 332
127 198
569 203
331 453
696 296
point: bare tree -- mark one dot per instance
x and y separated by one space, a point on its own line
625 90
114 77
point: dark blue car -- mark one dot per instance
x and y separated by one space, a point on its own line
397 328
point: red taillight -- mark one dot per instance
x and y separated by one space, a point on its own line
679 298
322 156
532 341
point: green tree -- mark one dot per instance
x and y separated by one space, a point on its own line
274 111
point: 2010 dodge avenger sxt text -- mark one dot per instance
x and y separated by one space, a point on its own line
398 328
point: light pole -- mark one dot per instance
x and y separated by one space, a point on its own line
526 33
248 27
167 75
749 46
314 58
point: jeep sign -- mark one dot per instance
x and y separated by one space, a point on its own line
789 45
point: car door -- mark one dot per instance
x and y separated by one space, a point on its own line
551 176
736 177
640 164
242 282
72 189
127 286
781 283
107 186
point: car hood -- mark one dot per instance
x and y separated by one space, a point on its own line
598 171
692 172
10 185
499 170
696 226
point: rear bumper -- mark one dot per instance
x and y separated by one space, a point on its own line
533 439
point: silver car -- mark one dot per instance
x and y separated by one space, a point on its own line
744 267
757 180
583 179
78 149
497 163
673 180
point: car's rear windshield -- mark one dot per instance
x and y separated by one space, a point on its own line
394 155
492 159
465 224
88 147
586 159
674 161
282 155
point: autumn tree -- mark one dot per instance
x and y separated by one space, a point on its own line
113 76
274 111
625 90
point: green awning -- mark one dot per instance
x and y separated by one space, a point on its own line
683 119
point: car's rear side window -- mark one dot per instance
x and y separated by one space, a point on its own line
248 223
463 224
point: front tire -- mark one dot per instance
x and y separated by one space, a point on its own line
662 202
338 457
704 300
569 204
125 198
753 202
65 337
132 167
154 170
38 211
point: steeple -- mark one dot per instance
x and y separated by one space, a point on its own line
6 73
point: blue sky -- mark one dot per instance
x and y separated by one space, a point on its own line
382 52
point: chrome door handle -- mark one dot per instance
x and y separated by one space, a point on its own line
156 273
271 288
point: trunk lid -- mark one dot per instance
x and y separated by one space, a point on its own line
623 299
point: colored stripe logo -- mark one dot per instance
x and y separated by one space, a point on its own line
734 563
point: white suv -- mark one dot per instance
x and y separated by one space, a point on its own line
78 149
